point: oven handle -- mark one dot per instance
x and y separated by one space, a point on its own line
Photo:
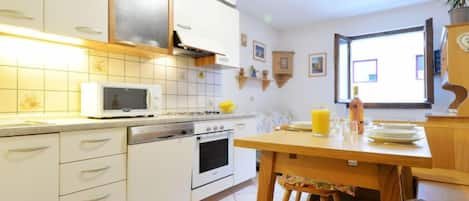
215 136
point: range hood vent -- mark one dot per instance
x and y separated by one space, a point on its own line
194 46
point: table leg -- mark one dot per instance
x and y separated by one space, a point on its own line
266 177
389 182
407 183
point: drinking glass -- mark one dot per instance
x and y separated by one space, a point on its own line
350 131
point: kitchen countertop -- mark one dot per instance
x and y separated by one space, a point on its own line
54 125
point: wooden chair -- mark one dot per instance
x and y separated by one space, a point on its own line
303 188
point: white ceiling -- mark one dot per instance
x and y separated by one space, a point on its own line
284 14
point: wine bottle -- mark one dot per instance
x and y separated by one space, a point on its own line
356 111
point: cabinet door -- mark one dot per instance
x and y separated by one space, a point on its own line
29 168
184 14
161 170
87 19
244 159
228 34
24 13
140 22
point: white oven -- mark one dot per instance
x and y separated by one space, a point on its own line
106 100
213 155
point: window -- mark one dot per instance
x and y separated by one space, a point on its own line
392 69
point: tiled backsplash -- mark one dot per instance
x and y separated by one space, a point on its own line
44 78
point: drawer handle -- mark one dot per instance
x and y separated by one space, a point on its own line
88 30
25 150
96 170
186 27
127 43
14 14
96 141
100 198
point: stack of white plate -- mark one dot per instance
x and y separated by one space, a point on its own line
396 133
398 126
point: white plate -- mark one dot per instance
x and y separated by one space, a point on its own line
394 133
302 125
378 138
397 126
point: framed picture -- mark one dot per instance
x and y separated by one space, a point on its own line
258 51
244 40
365 71
317 65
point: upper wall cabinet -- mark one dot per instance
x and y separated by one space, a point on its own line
24 13
87 19
229 36
142 23
216 29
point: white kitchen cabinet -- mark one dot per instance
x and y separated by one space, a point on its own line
218 24
244 159
23 13
229 35
87 19
29 168
161 170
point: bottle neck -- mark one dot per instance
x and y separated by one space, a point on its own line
355 92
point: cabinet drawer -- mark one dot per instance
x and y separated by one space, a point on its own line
29 168
91 173
92 144
111 192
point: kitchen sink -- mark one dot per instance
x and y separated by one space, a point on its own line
20 123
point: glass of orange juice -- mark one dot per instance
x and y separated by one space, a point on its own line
320 121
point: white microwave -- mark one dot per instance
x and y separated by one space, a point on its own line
107 100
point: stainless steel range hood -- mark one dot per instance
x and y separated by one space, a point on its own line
190 44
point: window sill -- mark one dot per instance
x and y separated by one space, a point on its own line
396 105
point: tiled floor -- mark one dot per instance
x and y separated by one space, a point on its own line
429 191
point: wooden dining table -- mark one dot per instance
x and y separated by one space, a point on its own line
351 160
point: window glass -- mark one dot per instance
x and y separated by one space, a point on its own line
384 68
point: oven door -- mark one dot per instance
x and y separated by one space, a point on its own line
213 158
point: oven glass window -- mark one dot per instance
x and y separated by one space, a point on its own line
213 155
121 98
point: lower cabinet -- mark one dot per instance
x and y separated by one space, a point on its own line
29 168
244 159
160 170
111 192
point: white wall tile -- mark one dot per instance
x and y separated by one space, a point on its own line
171 101
192 89
182 88
171 87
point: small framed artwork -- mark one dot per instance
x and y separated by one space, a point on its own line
244 40
258 51
365 71
317 65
